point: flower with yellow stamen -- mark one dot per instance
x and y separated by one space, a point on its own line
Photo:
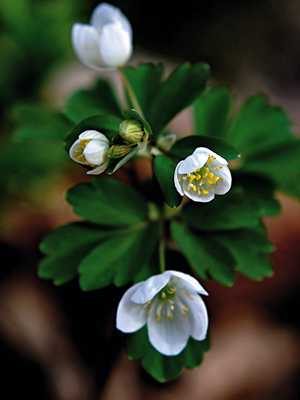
91 148
170 305
202 175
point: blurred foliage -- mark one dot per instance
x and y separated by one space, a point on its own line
34 36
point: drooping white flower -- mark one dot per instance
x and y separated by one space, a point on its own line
202 175
170 305
91 149
106 42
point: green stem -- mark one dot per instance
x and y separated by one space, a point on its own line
131 94
162 255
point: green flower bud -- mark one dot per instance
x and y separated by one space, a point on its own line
118 151
131 131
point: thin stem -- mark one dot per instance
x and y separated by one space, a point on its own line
162 255
131 93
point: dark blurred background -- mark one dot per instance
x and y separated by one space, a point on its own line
60 343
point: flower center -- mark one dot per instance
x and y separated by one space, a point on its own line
202 179
167 303
80 149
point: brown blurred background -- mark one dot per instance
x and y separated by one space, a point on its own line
60 343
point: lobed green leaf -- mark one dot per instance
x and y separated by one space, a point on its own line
145 81
64 249
186 146
205 256
160 367
164 168
211 112
119 258
249 199
176 93
87 103
108 202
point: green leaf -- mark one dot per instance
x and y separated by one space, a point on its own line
164 169
108 202
249 248
281 164
186 146
205 256
160 367
145 82
258 126
100 99
249 199
211 111
107 124
40 123
176 93
65 247
118 259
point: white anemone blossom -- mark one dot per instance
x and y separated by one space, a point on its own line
91 148
202 175
170 305
106 42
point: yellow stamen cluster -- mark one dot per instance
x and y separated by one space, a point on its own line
165 307
80 149
201 179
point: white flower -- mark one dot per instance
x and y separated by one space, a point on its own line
91 149
170 305
106 42
202 175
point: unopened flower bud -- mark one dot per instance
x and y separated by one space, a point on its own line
118 151
131 131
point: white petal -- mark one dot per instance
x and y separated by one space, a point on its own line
199 197
73 151
204 150
130 316
115 45
95 152
150 288
92 134
224 185
198 316
106 14
176 180
99 170
187 282
168 336
85 40
192 163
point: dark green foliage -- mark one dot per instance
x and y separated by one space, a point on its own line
160 367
